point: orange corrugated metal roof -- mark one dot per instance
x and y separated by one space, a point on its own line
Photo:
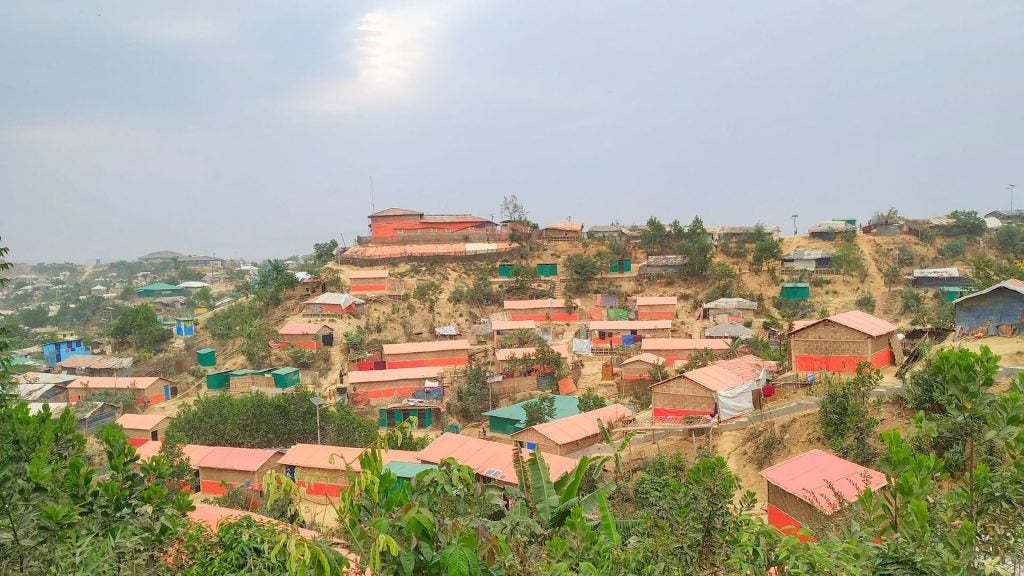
367 376
579 426
491 459
566 386
566 226
860 321
434 346
652 344
497 325
532 304
301 329
644 357
454 249
727 374
141 421
363 274
809 475
241 459
100 382
630 325
210 516
656 300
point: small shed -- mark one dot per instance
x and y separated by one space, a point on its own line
373 281
146 389
563 232
998 309
573 433
938 278
808 260
184 327
505 270
511 419
142 428
320 469
543 310
206 357
678 350
548 270
729 331
841 341
407 470
427 414
286 377
332 304
795 291
620 266
225 467
662 265
656 307
627 332
423 354
724 389
308 335
832 229
158 289
951 294
218 381
805 490
729 310
88 415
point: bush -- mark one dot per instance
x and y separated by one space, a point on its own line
953 248
301 357
844 417
911 301
865 303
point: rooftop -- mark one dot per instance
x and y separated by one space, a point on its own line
729 330
418 347
727 374
531 304
370 376
240 459
120 383
732 303
652 344
396 212
367 274
665 260
817 477
513 325
645 357
580 426
808 254
1011 284
491 459
326 457
301 328
141 421
343 300
566 226
860 321
630 324
656 300
564 406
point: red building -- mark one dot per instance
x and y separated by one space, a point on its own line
420 354
656 307
398 225
545 310
840 342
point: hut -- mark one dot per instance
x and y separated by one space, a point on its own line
505 269
56 352
158 289
639 367
795 290
147 390
730 331
492 461
679 350
95 365
563 232
511 419
841 341
426 413
374 283
627 332
573 433
141 428
423 354
620 266
387 386
808 489
668 265
185 327
544 310
322 469
724 389
311 336
808 260
996 310
729 310
223 468
938 278
832 229
88 415
883 224
656 307
501 328
40 387
547 269
332 304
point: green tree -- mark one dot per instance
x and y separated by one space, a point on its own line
696 249
581 270
323 252
472 397
34 316
767 249
429 293
848 259
844 414
590 400
654 237
966 223
1008 238
255 346
658 372
539 410
953 248
138 326
203 297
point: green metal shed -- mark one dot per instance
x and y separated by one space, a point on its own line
407 470
218 380
547 270
795 291
285 377
206 357
620 266
505 270
511 419
158 289
951 293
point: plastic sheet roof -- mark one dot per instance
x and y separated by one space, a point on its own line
656 300
419 373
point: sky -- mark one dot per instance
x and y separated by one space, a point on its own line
254 129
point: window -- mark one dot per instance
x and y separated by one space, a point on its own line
154 435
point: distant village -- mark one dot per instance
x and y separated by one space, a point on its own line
605 330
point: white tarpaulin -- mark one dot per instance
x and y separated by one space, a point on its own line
582 347
737 400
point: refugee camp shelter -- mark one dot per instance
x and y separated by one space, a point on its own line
391 385
35 387
332 304
841 341
573 433
668 265
88 415
141 428
427 413
998 309
638 367
158 289
656 307
146 389
226 467
511 419
60 350
795 290
502 327
627 332
562 232
724 389
502 356
729 331
544 310
729 310
371 281
322 469
832 229
679 350
184 327
808 260
96 365
423 354
308 335
938 278
492 461
806 490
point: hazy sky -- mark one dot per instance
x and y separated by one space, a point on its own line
252 129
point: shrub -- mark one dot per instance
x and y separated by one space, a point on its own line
865 303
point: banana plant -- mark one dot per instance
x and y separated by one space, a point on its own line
553 501
618 447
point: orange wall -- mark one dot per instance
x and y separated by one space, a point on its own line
677 413
355 288
785 523
320 488
389 229
556 316
655 315
136 442
808 363
426 362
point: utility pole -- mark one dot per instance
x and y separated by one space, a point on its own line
795 216
1011 187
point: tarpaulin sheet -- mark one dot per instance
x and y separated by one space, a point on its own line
618 314
737 400
582 347
676 415
596 314
818 363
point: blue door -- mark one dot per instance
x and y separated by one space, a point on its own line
167 391
531 445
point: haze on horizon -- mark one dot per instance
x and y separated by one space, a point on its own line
253 129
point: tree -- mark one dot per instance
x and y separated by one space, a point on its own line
700 359
966 223
472 398
513 211
581 270
848 259
696 248
658 372
323 252
429 293
34 317
539 410
139 326
766 248
203 297
654 237
844 414
591 400
1008 238
953 249
255 346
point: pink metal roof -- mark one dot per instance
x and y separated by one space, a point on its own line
728 374
367 376
860 321
193 452
808 476
654 344
416 347
322 457
579 426
141 421
487 458
566 226
210 516
148 450
656 300
107 382
241 459
630 325
301 329
451 249
645 357
498 325
367 274
532 304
